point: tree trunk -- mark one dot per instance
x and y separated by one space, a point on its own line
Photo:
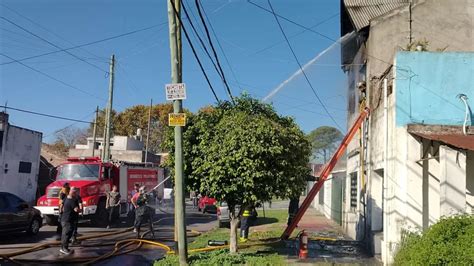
234 221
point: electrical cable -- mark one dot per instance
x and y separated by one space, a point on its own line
47 30
301 68
203 44
47 115
85 44
222 49
53 78
194 50
198 6
52 44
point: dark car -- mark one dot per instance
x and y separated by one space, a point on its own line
17 216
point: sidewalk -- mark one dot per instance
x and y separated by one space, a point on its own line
328 245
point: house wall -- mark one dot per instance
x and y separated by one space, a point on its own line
20 145
428 85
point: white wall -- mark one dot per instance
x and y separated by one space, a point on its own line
20 145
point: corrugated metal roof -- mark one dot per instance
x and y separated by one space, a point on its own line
465 142
362 11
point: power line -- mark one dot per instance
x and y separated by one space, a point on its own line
53 78
194 50
85 44
222 49
198 6
52 44
47 30
46 115
203 45
301 68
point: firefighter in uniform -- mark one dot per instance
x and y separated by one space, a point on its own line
249 215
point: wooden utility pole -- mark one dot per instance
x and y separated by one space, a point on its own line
94 132
109 110
148 131
174 7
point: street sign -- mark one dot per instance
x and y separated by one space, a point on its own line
177 120
175 91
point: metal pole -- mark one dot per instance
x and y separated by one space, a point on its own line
94 132
148 131
109 110
176 63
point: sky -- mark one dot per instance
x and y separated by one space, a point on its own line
258 58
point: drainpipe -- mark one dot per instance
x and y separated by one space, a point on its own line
464 98
385 174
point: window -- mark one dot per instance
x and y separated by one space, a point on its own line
25 167
78 172
353 190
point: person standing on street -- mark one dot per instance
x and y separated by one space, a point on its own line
68 219
76 224
62 196
249 216
113 205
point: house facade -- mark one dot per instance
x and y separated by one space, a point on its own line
410 62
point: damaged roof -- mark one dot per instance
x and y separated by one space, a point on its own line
362 12
449 135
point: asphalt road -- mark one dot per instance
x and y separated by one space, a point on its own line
164 232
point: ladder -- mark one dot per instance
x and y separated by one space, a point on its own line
325 173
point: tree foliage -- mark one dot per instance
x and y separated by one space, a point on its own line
127 122
244 154
69 136
324 141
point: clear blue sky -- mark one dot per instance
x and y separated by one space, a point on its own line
144 63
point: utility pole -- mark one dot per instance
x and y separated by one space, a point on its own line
109 110
148 131
174 7
94 132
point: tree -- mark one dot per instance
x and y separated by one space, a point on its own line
243 154
324 141
70 136
127 122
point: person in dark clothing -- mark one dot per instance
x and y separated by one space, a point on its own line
143 213
113 205
249 216
68 219
62 196
76 224
293 209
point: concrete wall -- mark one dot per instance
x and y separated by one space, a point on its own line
329 199
428 84
20 145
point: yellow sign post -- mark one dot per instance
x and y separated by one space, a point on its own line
177 120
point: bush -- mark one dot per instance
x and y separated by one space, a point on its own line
448 242
222 257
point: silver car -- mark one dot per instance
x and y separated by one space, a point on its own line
223 214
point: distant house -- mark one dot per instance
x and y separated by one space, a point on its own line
122 148
19 159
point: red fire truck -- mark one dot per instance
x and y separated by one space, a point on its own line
93 178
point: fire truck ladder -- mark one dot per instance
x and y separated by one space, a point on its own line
325 173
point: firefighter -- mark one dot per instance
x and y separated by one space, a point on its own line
143 213
293 209
62 196
248 218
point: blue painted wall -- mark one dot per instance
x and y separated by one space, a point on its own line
427 85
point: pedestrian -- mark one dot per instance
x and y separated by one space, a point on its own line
143 213
76 225
113 205
293 209
132 206
249 215
194 198
68 219
62 196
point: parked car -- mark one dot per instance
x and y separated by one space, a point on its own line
206 204
223 214
16 215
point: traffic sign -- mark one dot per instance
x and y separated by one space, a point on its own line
177 120
175 91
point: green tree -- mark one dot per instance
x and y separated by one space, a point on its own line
324 141
127 122
243 154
